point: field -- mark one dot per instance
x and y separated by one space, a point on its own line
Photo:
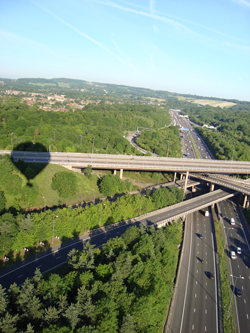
214 103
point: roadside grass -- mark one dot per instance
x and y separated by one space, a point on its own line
225 281
197 153
86 189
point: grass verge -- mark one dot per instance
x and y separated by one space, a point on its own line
195 148
224 278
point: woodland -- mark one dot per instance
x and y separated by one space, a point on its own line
124 287
99 128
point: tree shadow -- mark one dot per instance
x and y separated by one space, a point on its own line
28 161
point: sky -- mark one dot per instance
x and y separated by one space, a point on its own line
197 47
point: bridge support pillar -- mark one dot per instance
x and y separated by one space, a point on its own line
174 176
181 175
121 173
245 201
114 172
211 187
186 180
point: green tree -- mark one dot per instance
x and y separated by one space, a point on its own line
2 201
64 183
51 315
3 301
127 325
88 171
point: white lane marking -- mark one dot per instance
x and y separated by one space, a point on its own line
186 282
195 295
20 276
205 328
245 301
197 270
194 309
206 296
193 327
196 282
205 311
247 316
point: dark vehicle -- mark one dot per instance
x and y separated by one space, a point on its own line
238 292
210 275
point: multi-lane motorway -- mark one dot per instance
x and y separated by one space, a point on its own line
237 236
195 304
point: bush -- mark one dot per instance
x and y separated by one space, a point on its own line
112 184
64 183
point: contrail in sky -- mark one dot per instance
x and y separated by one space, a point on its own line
84 35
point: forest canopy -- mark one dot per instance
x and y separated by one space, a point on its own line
124 287
99 128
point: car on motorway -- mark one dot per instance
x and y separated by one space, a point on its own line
233 255
232 221
239 250
201 236
210 275
238 292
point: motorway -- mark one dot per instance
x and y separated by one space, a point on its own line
127 162
195 306
238 236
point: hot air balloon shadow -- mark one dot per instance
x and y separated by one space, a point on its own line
26 158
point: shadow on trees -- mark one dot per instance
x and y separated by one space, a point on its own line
28 164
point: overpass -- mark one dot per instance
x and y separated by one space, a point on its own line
128 162
223 180
190 206
57 255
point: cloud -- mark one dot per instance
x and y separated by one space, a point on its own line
84 35
152 6
171 22
244 3
175 19
117 47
